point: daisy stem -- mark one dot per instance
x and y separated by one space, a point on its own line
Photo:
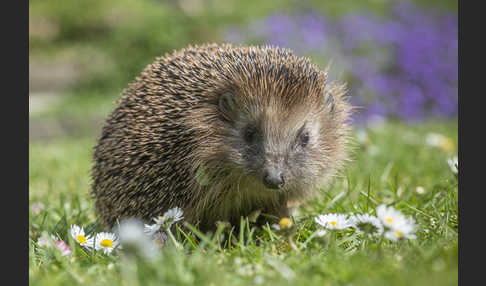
292 244
92 249
332 239
177 245
379 249
363 243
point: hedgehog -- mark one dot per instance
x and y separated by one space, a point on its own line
220 131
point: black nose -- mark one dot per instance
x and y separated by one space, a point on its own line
273 179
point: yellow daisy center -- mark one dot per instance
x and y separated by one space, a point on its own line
106 242
389 219
399 233
446 144
285 223
81 238
333 223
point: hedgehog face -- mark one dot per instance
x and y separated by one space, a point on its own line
279 150
282 148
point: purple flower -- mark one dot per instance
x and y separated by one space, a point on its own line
279 29
404 65
356 30
313 31
234 35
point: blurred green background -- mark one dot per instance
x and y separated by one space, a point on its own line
82 54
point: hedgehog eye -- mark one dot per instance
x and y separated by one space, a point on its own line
250 134
304 139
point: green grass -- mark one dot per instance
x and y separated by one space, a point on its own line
387 168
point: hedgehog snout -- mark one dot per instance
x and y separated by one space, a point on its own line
273 178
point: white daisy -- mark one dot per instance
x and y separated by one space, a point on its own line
434 139
367 224
404 230
37 207
151 229
440 141
453 164
333 221
420 190
398 225
390 217
106 241
79 236
284 223
44 240
171 216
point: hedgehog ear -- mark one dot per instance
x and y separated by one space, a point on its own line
227 106
328 98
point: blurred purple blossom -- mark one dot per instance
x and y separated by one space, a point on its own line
402 66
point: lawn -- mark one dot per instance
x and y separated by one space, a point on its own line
393 165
